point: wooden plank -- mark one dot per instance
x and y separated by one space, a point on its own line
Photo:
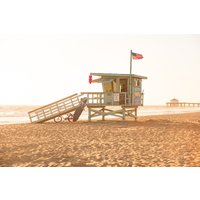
82 93
55 115
126 111
98 113
54 109
96 106
106 98
55 106
64 99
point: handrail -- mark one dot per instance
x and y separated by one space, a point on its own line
56 108
74 95
94 93
99 98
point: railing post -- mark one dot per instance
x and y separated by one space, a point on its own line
100 98
44 113
51 110
57 107
72 102
92 98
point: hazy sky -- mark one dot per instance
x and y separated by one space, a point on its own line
38 69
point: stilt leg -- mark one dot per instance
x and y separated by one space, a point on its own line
89 114
123 112
103 116
135 114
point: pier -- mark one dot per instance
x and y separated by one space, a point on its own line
182 104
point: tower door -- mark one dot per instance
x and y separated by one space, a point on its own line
123 91
123 85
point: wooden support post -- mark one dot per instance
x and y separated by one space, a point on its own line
89 114
135 113
123 113
103 116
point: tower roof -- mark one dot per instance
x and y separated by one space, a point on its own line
111 75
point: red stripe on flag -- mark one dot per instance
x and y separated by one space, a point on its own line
137 56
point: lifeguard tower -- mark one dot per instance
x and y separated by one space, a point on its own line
121 96
122 91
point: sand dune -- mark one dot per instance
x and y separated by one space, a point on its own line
165 140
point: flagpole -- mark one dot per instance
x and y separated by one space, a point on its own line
130 77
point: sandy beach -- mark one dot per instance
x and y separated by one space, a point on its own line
163 140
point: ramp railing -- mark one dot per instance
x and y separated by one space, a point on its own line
55 109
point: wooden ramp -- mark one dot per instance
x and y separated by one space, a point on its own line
55 109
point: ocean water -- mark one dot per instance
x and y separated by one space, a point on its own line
19 114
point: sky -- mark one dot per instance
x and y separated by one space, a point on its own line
37 69
47 50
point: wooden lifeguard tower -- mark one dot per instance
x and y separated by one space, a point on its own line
121 96
122 91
